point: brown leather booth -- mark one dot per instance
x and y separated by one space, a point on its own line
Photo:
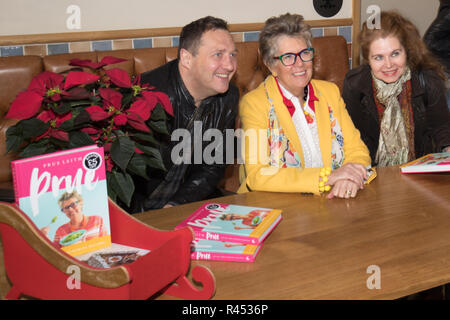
331 63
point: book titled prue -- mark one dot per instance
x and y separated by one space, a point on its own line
65 195
232 223
433 162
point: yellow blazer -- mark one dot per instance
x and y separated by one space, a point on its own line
255 174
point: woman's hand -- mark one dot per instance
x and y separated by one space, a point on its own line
344 189
353 172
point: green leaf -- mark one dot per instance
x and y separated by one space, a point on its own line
158 113
138 166
156 163
147 138
81 117
111 193
122 184
61 109
121 151
34 128
34 149
159 126
14 138
151 151
79 139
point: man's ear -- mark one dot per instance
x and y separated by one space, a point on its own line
185 58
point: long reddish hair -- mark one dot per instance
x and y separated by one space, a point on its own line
394 24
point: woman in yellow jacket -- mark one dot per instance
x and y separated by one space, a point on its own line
298 136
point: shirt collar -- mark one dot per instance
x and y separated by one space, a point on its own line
287 96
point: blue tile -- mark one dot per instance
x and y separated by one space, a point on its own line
11 51
102 45
317 32
346 32
58 48
251 36
175 41
142 43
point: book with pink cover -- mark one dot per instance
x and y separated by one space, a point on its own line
223 251
57 188
433 162
232 223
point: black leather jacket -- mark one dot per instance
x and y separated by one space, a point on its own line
220 111
437 37
430 112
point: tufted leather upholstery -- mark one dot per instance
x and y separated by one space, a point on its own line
331 63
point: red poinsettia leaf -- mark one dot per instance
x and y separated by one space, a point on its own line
137 122
109 164
85 63
75 78
26 105
111 97
77 93
137 150
97 113
107 147
61 119
45 80
165 101
137 80
46 115
59 134
120 120
141 107
111 60
90 130
119 77
150 98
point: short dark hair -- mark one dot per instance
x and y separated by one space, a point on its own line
191 34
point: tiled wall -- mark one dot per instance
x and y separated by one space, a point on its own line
69 47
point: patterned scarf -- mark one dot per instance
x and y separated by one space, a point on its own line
393 146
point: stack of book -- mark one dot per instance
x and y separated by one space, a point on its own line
228 232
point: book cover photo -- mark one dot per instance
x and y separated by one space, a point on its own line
65 194
433 162
233 223
223 251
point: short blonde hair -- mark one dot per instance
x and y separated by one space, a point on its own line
69 195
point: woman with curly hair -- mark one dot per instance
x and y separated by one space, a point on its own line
397 97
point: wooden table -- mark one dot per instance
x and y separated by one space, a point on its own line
322 249
397 228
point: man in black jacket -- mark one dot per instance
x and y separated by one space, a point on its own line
437 39
198 85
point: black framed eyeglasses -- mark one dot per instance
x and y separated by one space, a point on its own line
288 59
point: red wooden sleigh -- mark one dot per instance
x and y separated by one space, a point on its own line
38 269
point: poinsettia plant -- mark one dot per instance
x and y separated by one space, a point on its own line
103 107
